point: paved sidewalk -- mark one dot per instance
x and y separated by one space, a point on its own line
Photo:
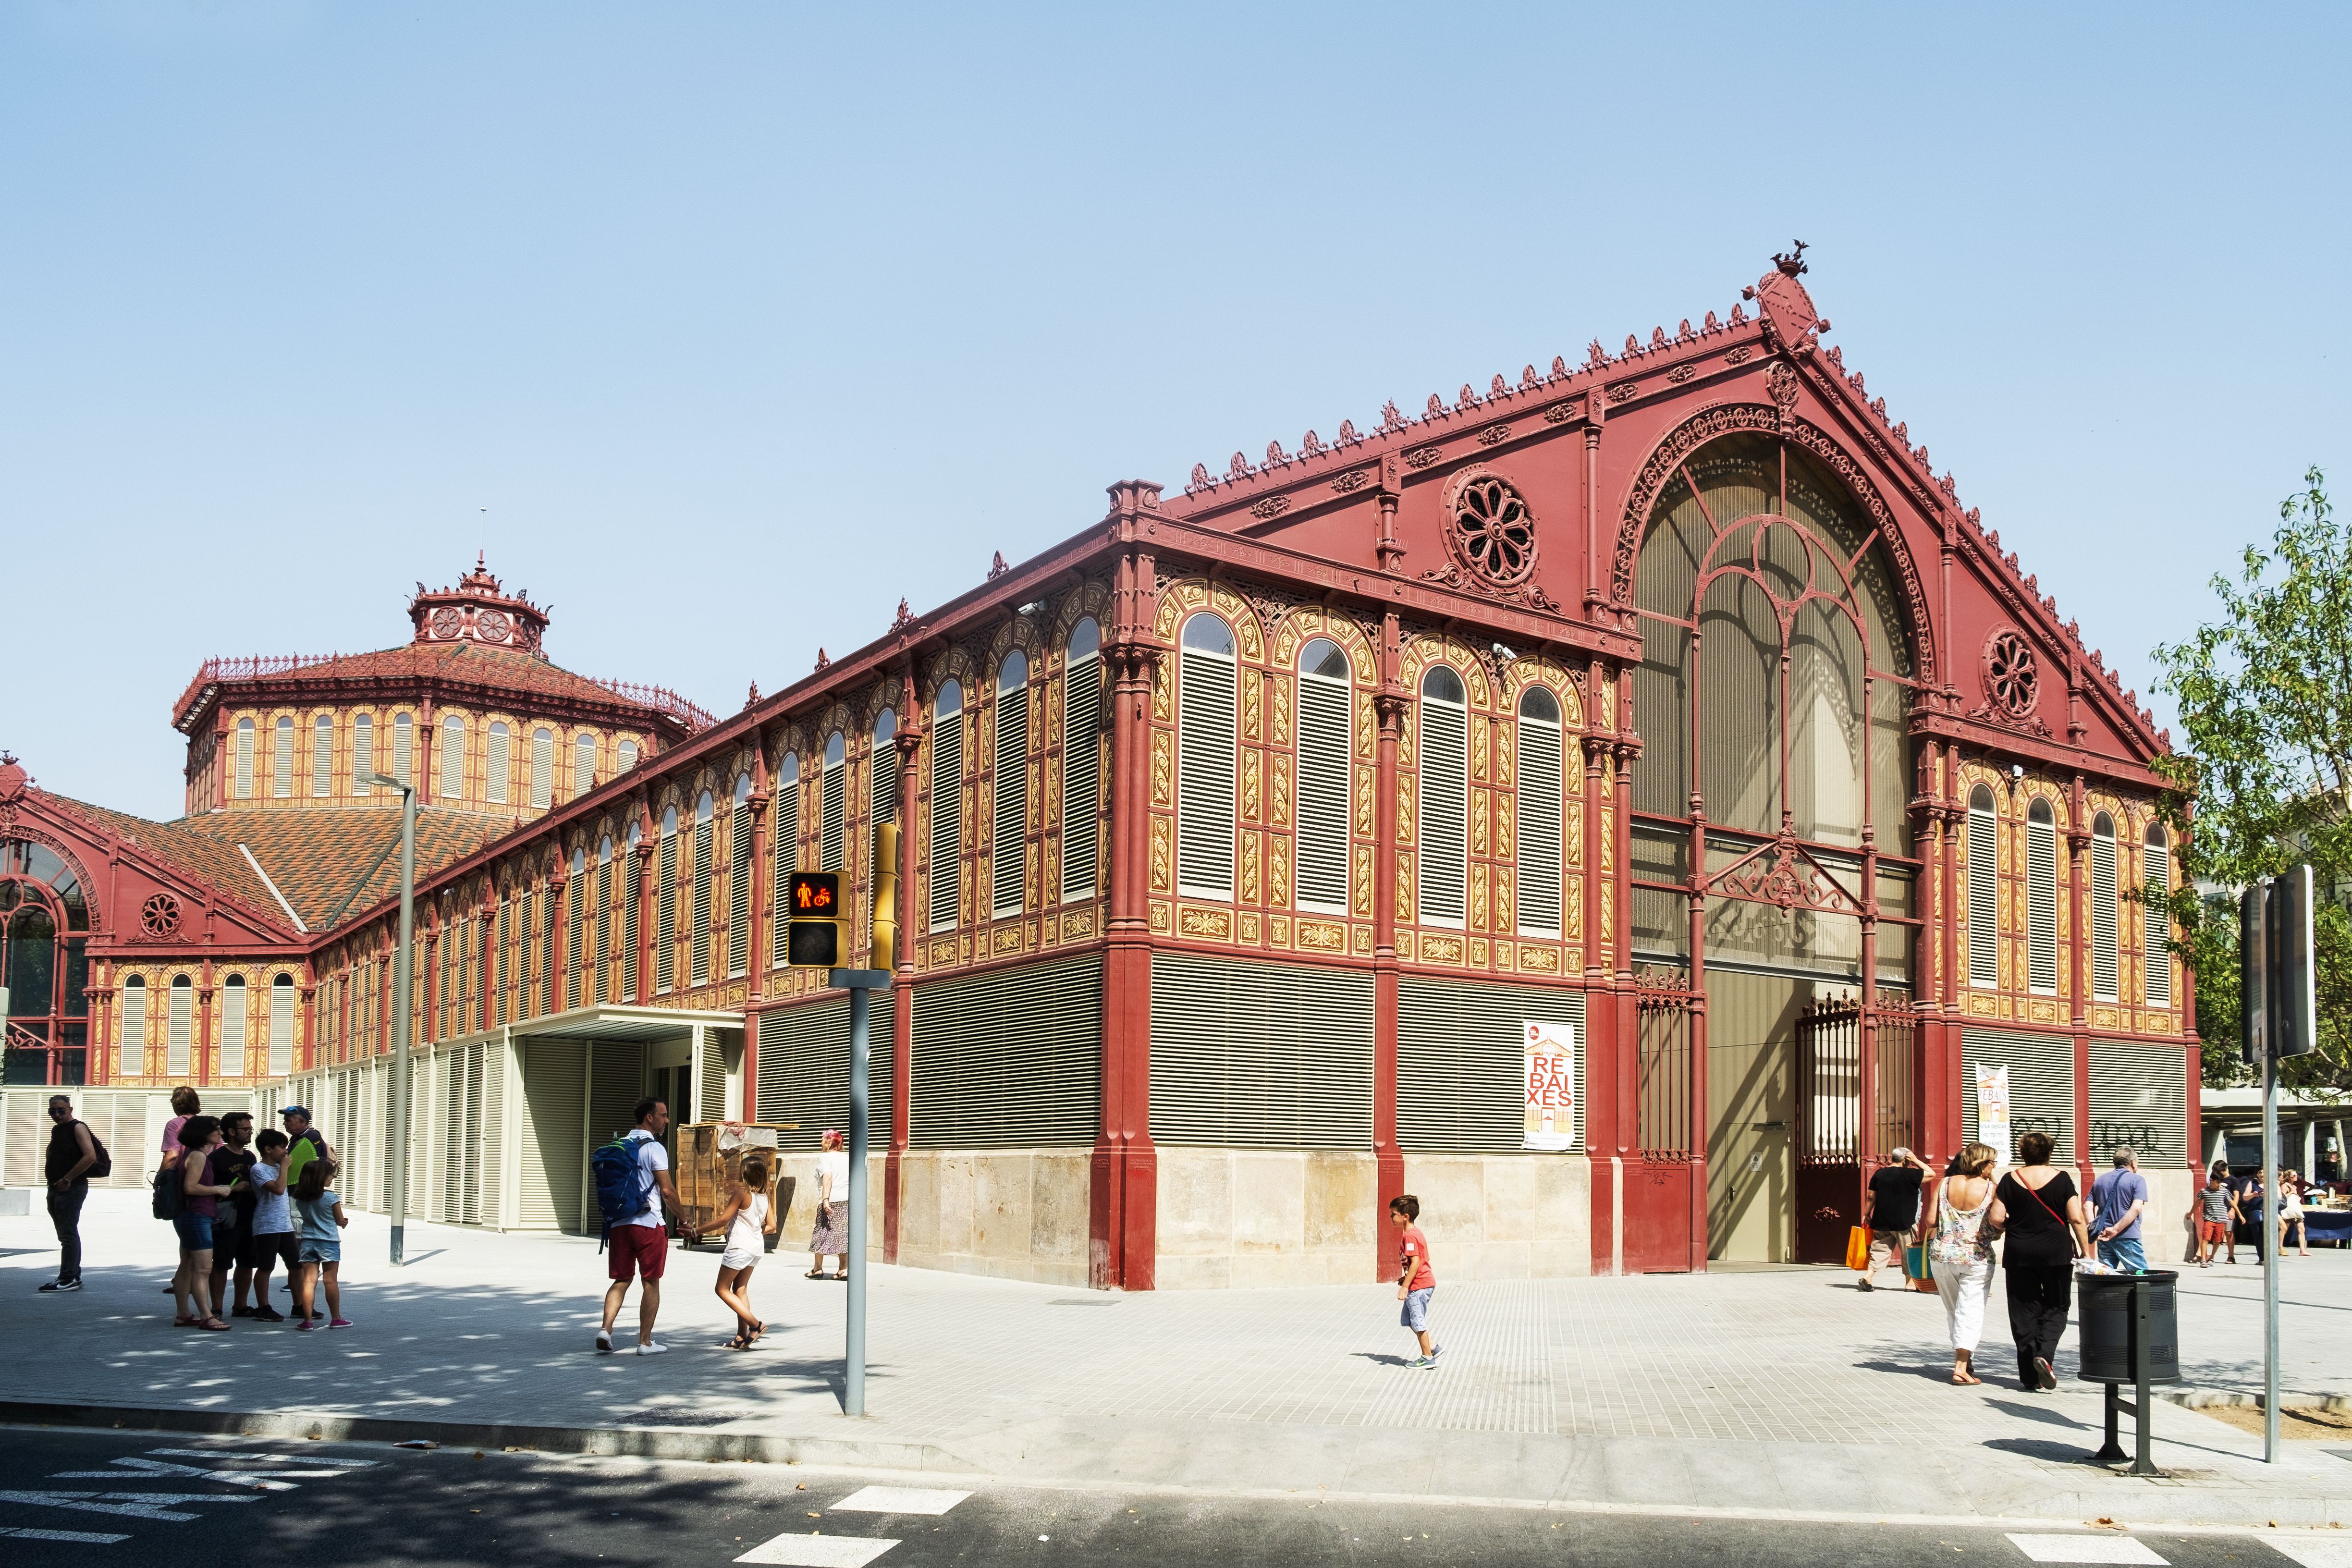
1769 1391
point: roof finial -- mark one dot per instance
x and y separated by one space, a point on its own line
1792 264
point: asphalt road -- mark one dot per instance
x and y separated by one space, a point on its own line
66 1497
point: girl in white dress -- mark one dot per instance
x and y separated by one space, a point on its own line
749 1220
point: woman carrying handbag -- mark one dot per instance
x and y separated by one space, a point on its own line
1960 1249
2037 1208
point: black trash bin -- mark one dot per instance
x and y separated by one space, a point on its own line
2110 1317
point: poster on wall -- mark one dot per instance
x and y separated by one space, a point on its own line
1551 1086
1992 1111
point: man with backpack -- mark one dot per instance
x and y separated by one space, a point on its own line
74 1156
633 1187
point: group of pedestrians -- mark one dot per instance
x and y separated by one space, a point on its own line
2230 1209
638 1211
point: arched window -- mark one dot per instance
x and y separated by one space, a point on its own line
883 798
739 880
180 1025
784 827
1984 890
130 1047
402 748
281 1026
604 987
543 768
1008 841
666 906
322 755
1326 695
2155 915
233 1024
1539 764
281 758
947 805
703 933
575 897
453 757
2042 898
2106 958
583 764
45 964
1082 706
1208 679
244 781
627 756
495 783
1442 830
833 807
362 753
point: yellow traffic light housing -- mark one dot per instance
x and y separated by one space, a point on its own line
886 897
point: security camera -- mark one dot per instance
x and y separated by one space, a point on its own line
2016 770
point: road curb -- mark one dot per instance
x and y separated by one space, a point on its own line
2212 1398
630 1442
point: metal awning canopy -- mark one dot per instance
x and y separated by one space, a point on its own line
616 1023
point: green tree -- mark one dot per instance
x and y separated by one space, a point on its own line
2265 781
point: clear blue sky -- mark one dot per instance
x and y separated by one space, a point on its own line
723 326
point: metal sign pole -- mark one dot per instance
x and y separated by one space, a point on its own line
860 983
2270 1228
401 981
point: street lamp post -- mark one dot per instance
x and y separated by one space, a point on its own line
400 1019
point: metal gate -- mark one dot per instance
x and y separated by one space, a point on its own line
1848 1056
1662 1235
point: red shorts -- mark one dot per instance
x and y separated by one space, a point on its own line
640 1251
2212 1230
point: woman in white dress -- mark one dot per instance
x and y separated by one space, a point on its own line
749 1221
1961 1253
2291 1214
830 1238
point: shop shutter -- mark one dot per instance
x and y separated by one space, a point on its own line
180 1025
1081 775
452 1106
665 919
702 933
2104 954
494 1069
130 1046
281 1026
1008 845
1541 825
552 1160
803 1071
710 1081
2041 904
1984 900
1012 1058
1444 831
232 1035
947 819
1207 762
477 1055
2040 1085
1324 737
2139 1099
739 892
2156 869
785 825
1260 1056
1460 1062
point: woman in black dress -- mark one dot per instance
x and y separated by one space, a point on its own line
2038 1210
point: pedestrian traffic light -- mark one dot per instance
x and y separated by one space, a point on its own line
886 897
813 919
2278 1004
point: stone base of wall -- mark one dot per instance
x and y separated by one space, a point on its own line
1016 1214
1241 1217
1505 1216
2165 1234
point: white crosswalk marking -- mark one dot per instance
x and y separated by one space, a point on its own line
135 1505
2311 1552
818 1551
259 1459
900 1500
160 1467
2085 1549
86 1537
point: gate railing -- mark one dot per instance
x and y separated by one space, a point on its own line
1829 1076
1661 1067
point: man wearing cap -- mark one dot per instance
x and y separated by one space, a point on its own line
1893 1212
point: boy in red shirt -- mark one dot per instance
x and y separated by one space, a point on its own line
1416 1281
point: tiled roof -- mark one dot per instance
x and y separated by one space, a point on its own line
467 663
198 857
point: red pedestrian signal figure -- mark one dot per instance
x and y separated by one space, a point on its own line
812 932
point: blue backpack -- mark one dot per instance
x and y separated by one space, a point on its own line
624 1188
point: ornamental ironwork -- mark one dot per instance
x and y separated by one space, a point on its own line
2011 675
1491 533
159 917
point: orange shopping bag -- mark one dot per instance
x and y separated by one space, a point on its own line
1857 1249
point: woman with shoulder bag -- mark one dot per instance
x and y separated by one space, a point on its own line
2037 1208
1961 1246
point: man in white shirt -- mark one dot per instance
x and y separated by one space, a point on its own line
639 1245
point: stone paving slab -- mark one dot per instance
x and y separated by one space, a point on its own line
1754 1391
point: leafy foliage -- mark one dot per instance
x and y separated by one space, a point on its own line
2265 697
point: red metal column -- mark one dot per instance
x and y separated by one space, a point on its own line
1604 1128
2078 842
1388 1160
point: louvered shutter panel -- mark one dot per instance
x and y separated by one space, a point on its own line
1541 825
2041 1086
1008 846
1260 1056
470 1212
1012 1058
804 1072
702 933
947 818
833 840
2104 954
571 923
1323 774
179 1025
632 961
2041 906
232 1037
2139 1099
1444 830
1206 761
604 934
1462 1062
885 775
452 1098
130 1046
1984 900
710 1081
786 827
543 768
665 918
739 893
1081 776
281 1026
2156 918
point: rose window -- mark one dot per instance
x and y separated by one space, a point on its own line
160 915
446 622
2011 677
1492 533
493 625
